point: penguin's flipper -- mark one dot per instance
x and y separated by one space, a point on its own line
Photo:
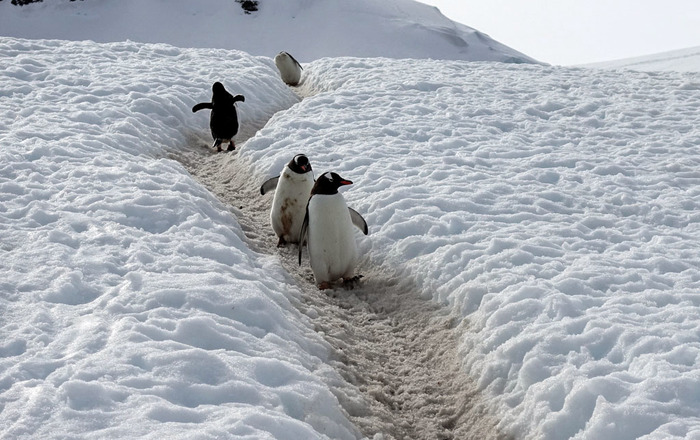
269 185
358 221
201 106
302 234
239 98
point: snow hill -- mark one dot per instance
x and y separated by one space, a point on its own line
684 60
308 29
532 269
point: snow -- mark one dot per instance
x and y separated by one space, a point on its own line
132 306
544 218
308 29
555 209
683 60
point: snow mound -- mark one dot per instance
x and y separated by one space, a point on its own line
308 29
131 306
554 209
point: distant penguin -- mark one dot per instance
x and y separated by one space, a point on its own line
292 190
223 120
327 229
290 69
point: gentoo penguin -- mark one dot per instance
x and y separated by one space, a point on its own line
292 190
327 229
223 120
290 69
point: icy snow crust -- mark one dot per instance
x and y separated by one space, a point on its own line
555 210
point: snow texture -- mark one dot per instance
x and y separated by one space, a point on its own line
555 209
532 269
131 306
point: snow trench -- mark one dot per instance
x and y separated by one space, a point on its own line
396 352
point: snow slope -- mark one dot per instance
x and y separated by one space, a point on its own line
308 29
131 306
553 211
547 217
684 60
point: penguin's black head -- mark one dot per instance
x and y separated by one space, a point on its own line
218 88
329 183
300 164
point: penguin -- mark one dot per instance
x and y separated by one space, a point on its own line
292 189
327 229
223 120
290 69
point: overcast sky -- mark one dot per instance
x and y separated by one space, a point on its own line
569 32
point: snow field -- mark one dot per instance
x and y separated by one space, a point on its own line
555 209
131 306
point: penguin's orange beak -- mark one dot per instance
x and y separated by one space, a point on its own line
345 182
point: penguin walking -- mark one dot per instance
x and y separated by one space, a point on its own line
292 189
327 229
223 120
290 69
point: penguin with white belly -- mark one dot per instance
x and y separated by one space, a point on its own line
290 69
292 189
327 229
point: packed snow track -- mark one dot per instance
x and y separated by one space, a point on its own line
397 352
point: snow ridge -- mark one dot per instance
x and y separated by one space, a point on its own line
684 60
553 208
131 305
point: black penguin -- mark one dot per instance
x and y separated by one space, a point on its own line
223 121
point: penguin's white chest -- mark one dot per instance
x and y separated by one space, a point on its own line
289 70
289 204
331 240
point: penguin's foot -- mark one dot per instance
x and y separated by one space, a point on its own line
324 285
282 242
231 146
350 283
217 145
